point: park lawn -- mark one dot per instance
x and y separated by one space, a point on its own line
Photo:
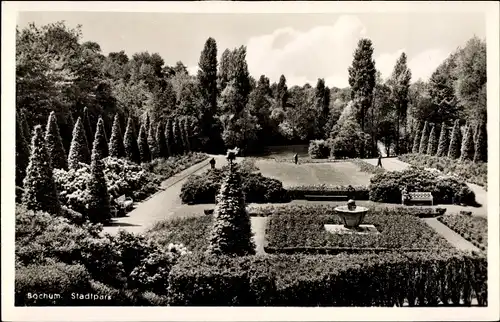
333 173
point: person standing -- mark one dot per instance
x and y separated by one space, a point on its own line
212 163
296 158
379 163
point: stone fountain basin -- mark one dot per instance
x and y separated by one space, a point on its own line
351 218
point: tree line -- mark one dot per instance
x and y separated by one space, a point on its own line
56 71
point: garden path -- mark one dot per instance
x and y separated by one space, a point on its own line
452 237
393 164
161 205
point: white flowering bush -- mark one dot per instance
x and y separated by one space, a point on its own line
122 178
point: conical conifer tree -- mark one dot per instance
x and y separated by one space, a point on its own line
98 208
481 148
444 141
54 143
89 133
147 123
433 142
185 133
467 150
161 142
455 141
231 232
25 128
178 137
153 145
130 143
22 153
169 137
476 132
78 151
424 140
40 191
100 146
416 140
115 147
143 145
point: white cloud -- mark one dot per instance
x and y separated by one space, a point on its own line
321 52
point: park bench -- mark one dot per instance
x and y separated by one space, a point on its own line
418 197
121 205
326 197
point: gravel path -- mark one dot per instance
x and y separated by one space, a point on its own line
452 237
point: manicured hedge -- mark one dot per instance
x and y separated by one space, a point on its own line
302 227
174 164
319 149
469 171
299 192
257 188
388 279
472 228
367 167
387 187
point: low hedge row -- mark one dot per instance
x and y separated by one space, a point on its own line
387 187
388 279
470 171
472 228
302 227
352 192
367 167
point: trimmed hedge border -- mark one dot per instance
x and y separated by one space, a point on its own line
473 229
339 250
299 192
389 279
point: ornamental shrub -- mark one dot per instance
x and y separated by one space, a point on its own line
318 149
231 232
433 142
467 150
142 142
78 151
130 143
387 187
424 139
444 142
116 148
455 141
40 191
100 145
55 146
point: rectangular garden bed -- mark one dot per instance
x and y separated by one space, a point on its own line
294 229
472 228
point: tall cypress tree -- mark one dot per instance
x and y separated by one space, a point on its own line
98 207
416 140
467 150
455 141
78 151
231 230
481 148
54 143
143 145
153 145
89 133
22 153
161 142
424 140
177 136
25 128
130 143
169 137
207 80
186 134
116 148
444 141
100 146
433 142
40 191
147 122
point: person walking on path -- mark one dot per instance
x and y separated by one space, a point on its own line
212 163
379 163
296 158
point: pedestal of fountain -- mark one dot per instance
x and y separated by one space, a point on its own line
352 216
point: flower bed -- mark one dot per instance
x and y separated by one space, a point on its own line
166 168
299 192
387 187
301 228
476 173
472 228
389 279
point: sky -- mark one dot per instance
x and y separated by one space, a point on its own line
303 47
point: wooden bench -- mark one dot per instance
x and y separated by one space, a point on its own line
418 197
326 197
121 205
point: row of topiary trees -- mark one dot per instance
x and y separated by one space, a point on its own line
471 146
